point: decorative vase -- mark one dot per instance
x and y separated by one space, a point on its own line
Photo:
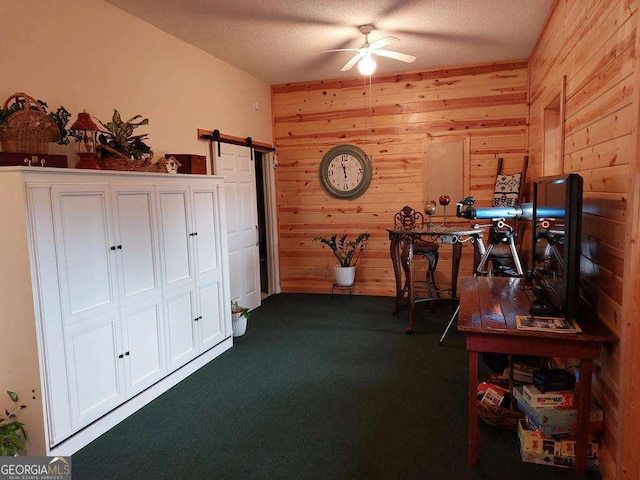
344 276
239 324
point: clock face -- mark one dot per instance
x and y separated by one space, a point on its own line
345 172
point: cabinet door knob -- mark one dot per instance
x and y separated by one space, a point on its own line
119 247
113 248
121 356
126 353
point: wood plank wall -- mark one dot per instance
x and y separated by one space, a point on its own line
593 44
391 119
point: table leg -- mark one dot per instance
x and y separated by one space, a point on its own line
478 252
455 267
395 259
473 408
584 409
410 286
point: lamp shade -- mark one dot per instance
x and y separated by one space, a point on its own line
84 122
367 65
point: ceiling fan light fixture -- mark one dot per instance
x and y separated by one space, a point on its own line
367 65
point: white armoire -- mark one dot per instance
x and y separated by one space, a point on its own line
114 286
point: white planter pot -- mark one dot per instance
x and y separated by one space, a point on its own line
238 324
345 276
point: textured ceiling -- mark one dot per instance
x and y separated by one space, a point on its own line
280 41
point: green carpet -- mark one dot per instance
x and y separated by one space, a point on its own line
318 388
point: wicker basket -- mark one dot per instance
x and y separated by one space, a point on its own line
29 130
500 417
117 161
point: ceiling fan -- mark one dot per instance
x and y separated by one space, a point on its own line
367 65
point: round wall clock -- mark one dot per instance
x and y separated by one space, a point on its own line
345 172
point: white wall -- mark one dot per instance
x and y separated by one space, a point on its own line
88 54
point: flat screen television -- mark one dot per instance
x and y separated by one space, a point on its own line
556 239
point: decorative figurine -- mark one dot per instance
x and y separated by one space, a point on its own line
430 209
444 201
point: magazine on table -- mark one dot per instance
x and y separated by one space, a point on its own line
547 324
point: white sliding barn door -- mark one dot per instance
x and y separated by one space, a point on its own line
235 165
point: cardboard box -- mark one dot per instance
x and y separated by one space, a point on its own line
556 421
557 461
492 397
544 450
563 429
534 441
558 399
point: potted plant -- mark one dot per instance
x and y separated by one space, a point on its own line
13 437
239 317
348 253
119 148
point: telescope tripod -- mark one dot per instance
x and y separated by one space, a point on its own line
500 233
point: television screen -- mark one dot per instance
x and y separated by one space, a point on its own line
556 238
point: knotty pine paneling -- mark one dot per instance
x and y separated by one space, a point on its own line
391 119
593 44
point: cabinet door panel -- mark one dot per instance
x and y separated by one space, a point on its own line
174 225
135 235
180 315
86 259
95 369
204 207
143 328
211 309
51 320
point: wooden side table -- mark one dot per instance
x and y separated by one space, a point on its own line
488 307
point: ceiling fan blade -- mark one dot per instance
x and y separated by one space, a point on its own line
383 42
349 65
403 57
341 50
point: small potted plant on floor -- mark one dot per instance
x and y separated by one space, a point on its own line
13 437
348 253
239 317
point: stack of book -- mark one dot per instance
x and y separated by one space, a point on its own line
547 435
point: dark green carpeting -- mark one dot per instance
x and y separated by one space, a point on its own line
318 388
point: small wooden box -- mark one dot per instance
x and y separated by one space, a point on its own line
41 160
196 164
